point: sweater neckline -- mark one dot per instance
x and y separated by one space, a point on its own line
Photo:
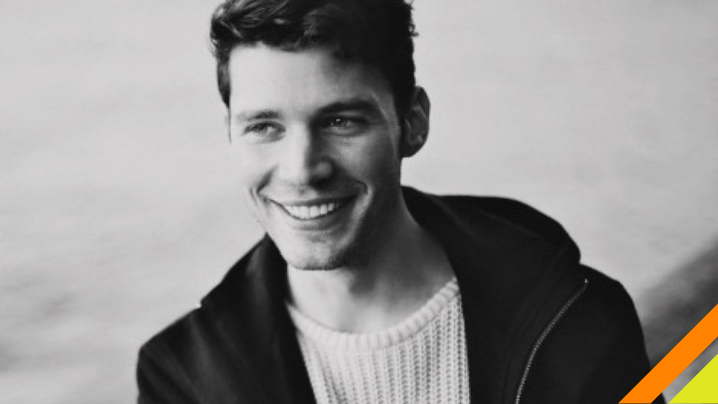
392 336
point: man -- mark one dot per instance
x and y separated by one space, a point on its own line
364 291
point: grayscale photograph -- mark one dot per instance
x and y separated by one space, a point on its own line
357 201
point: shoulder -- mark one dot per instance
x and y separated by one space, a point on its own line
606 294
604 316
162 375
174 363
185 331
491 214
208 352
191 359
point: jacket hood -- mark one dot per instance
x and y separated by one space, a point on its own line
522 218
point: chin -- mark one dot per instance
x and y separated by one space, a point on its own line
315 258
314 263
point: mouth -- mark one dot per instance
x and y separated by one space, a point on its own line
307 211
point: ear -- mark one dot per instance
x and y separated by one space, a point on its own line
416 123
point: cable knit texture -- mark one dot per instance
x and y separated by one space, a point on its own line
420 360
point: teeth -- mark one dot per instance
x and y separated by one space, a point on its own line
311 212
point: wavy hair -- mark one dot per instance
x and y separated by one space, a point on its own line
378 33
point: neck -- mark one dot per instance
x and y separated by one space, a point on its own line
402 274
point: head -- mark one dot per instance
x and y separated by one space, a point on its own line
322 108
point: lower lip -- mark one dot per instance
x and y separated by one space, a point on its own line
323 222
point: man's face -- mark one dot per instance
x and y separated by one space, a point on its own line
316 143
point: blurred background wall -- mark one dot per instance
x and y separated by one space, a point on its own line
118 210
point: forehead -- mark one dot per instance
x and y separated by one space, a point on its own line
263 77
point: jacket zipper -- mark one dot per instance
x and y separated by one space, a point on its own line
544 335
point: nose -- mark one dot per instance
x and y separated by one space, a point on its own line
304 159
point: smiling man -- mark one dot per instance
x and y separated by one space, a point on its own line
363 291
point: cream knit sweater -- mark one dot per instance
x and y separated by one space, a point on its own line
422 360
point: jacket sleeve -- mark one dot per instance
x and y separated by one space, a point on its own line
159 379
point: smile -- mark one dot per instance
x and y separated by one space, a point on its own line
309 212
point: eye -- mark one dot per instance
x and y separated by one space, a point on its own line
259 128
343 125
339 122
264 130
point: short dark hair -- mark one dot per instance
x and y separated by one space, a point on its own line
378 33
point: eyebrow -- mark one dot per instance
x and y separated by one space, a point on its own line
354 104
257 115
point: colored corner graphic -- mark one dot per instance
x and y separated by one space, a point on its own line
703 388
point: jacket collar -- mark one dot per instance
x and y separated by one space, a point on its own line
514 266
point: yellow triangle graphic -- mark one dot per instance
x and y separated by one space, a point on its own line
703 388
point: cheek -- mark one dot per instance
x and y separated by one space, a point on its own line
378 158
250 166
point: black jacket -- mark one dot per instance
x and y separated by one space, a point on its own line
540 327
